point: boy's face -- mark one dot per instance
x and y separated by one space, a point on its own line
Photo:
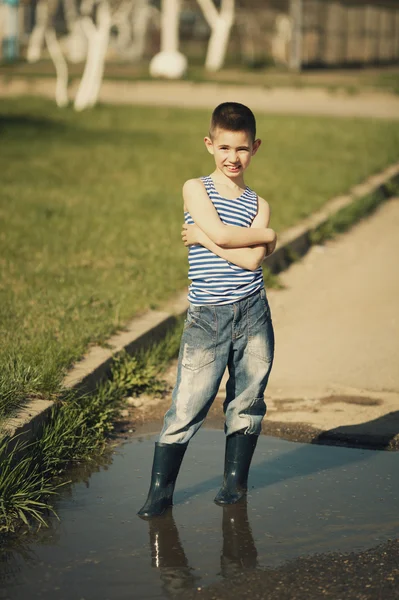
232 151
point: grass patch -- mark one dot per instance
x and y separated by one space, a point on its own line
91 212
348 216
77 431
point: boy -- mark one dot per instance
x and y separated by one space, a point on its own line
228 321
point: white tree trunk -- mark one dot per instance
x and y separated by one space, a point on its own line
217 46
295 61
76 43
169 63
122 20
61 67
131 20
220 24
170 25
98 38
36 39
76 40
140 19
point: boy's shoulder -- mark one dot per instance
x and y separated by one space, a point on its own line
193 190
193 184
263 213
262 203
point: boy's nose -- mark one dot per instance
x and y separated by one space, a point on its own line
233 157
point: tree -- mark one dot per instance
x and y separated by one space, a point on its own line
97 34
296 40
220 24
89 27
169 62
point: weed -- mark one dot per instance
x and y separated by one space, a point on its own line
24 486
76 431
271 280
345 218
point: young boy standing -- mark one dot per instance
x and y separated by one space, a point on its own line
228 322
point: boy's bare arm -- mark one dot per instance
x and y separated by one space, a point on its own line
204 214
248 258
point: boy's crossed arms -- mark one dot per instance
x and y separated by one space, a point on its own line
245 247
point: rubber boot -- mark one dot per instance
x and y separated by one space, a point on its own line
165 469
239 452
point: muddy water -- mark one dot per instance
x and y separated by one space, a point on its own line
304 500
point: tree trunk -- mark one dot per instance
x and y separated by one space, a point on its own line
170 25
217 46
98 37
132 20
76 40
296 40
61 67
169 62
220 24
36 38
140 17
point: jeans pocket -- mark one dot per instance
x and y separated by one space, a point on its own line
261 341
198 344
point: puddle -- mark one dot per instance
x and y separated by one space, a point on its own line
303 500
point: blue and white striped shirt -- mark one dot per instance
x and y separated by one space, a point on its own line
214 279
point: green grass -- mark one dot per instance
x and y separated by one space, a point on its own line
91 213
76 432
357 210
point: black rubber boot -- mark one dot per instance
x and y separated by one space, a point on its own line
239 452
165 469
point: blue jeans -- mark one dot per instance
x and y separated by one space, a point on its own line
239 336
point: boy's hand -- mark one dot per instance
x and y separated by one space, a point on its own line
271 246
191 234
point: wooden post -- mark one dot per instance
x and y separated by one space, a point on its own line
295 62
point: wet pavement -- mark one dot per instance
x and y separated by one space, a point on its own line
320 521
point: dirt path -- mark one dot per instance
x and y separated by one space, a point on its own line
337 341
284 100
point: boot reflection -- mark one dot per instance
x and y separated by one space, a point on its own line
168 556
239 551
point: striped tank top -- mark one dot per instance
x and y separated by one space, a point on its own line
213 279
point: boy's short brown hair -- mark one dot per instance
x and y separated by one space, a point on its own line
233 116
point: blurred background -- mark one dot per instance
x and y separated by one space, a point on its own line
263 32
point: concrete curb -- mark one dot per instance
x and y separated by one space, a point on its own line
146 329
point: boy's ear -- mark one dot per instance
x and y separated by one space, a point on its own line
255 146
209 145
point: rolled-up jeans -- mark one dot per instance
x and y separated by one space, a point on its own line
238 336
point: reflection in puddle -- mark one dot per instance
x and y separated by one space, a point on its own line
303 500
238 551
167 555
